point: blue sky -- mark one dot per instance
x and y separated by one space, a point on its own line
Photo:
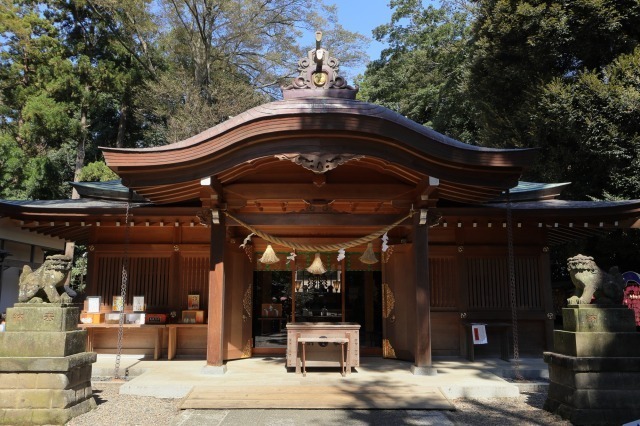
363 16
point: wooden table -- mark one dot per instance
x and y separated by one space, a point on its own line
173 336
323 352
342 341
157 328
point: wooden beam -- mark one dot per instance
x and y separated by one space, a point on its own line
304 191
216 294
316 219
423 362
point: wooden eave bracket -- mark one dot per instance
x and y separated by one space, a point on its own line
211 192
428 190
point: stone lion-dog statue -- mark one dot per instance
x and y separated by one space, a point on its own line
591 282
43 284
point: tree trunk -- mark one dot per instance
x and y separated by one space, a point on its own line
122 123
80 154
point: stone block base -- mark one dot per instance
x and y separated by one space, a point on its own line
42 343
593 390
423 371
45 390
597 344
44 416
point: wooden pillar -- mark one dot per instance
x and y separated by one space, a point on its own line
215 334
423 363
547 297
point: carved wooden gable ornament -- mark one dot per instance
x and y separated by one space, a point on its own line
319 76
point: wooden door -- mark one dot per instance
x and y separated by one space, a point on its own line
238 284
399 304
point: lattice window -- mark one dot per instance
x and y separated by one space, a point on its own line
147 276
443 276
488 282
194 279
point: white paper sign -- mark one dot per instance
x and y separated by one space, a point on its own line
479 333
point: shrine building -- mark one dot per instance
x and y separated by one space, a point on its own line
319 208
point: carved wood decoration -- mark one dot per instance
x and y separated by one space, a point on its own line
246 351
204 217
386 255
319 162
388 301
387 349
247 302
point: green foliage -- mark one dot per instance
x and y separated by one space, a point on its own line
97 172
422 73
520 47
593 130
12 160
79 268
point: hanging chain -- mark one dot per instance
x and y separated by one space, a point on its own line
512 291
123 291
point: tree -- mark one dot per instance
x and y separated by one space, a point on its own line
227 56
519 47
76 75
592 128
422 72
32 120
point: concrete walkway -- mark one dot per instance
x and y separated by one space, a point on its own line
311 418
456 378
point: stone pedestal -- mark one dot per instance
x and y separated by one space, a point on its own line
594 371
45 373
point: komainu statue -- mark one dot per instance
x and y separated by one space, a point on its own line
43 284
592 282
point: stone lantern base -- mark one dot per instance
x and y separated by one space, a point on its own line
45 373
594 371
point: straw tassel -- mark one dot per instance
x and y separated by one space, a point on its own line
369 257
269 256
317 268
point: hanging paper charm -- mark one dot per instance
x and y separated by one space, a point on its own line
247 240
385 242
341 254
291 257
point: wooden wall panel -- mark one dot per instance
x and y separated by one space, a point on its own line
445 333
191 342
399 323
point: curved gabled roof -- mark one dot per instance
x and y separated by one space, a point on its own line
319 125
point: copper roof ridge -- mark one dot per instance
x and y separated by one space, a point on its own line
313 105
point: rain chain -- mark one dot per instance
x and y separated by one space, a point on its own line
512 291
123 291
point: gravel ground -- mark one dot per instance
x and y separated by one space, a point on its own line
115 409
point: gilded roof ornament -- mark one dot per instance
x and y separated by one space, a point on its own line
319 76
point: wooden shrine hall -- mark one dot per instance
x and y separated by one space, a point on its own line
407 233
